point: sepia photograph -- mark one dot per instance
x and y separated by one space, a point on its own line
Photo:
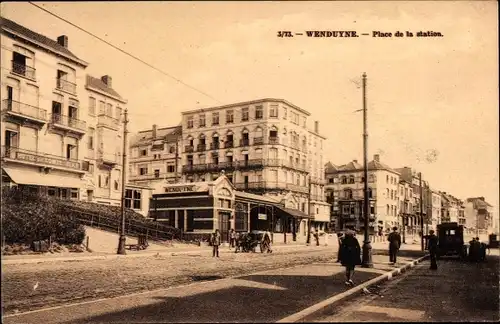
249 161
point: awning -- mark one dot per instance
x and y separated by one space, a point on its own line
295 213
35 178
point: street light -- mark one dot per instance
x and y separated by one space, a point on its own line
367 247
122 239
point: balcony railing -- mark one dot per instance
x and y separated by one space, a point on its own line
24 70
18 154
201 147
28 111
292 187
260 185
258 140
317 181
189 149
274 140
244 142
70 122
228 144
214 146
150 176
108 121
66 85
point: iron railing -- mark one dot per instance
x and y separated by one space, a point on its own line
66 85
24 70
24 109
19 154
58 119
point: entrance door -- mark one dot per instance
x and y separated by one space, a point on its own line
224 225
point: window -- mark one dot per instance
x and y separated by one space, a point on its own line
351 179
91 138
109 110
202 120
117 185
92 104
259 112
244 114
157 173
387 178
348 193
215 118
106 182
190 122
22 59
143 171
229 117
118 112
273 111
144 152
171 168
102 107
344 180
133 199
70 152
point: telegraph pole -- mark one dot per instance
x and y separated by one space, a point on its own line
121 242
309 213
367 247
176 158
421 213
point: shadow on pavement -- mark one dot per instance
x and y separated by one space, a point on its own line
402 253
206 278
239 303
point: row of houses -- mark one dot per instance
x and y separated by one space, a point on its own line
248 165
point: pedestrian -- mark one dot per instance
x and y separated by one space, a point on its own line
394 244
316 237
433 249
232 238
267 241
350 255
216 238
474 247
340 238
326 238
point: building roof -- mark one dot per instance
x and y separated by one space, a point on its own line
478 202
355 166
331 168
252 102
145 137
98 84
9 25
242 194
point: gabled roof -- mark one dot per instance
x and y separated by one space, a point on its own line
351 166
331 168
169 134
377 165
9 25
98 84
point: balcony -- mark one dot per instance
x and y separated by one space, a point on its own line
108 159
214 146
258 141
295 188
15 154
274 140
201 147
228 144
66 86
68 123
259 185
107 121
227 166
23 70
24 112
189 148
150 176
244 142
250 164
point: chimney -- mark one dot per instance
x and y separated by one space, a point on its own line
316 127
63 40
107 80
154 131
376 157
355 161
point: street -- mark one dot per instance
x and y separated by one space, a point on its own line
456 292
246 297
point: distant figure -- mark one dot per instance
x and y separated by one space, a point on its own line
350 255
394 244
340 237
216 240
326 238
433 247
232 238
316 237
267 241
474 249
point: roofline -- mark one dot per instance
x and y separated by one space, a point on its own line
248 103
69 58
123 101
317 134
150 130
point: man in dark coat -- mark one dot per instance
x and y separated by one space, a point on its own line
350 255
340 237
394 244
432 246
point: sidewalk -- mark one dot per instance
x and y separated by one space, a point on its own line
269 296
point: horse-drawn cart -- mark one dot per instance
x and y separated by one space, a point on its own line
248 242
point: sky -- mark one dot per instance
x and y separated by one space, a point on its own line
432 102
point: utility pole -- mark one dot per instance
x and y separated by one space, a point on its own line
176 159
367 247
121 242
309 213
421 213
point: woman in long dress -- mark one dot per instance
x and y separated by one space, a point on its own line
350 255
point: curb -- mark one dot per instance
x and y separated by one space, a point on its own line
316 309
117 256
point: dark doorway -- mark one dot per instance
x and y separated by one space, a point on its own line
224 225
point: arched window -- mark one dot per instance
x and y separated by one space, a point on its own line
351 179
348 193
344 180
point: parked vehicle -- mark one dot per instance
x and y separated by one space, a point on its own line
248 242
451 240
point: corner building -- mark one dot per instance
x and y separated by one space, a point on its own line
264 147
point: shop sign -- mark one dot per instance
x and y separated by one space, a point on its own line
181 189
262 216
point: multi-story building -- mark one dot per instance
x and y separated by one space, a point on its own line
61 129
155 156
346 185
449 207
478 215
43 115
406 208
104 141
436 209
264 147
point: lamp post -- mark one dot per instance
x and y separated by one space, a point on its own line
367 247
121 242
